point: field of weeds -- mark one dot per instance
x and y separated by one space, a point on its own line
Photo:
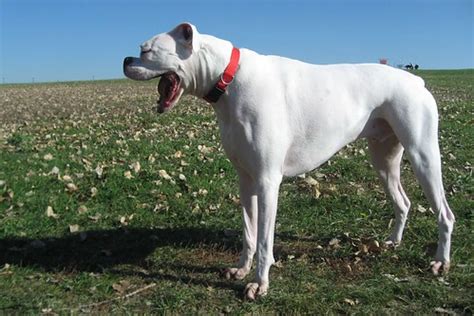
107 207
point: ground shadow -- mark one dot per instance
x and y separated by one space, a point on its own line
106 250
94 251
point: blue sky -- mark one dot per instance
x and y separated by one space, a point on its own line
58 40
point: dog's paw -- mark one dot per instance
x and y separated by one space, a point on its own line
254 291
390 244
438 267
235 273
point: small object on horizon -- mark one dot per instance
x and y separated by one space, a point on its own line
410 66
383 61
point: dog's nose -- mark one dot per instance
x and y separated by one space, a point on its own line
127 61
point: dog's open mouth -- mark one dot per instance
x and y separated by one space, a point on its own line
168 88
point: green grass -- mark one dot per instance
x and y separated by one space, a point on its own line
141 227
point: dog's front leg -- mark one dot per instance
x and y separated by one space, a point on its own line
267 191
248 199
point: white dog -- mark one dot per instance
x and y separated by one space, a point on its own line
281 117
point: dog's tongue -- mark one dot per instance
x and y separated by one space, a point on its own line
167 88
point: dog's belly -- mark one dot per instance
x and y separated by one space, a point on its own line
306 156
297 163
309 152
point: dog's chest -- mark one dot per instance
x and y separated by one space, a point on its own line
234 142
237 137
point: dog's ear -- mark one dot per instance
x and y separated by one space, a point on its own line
187 34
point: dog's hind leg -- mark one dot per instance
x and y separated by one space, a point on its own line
248 199
386 156
426 163
417 130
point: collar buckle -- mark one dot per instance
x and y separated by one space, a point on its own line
214 95
225 79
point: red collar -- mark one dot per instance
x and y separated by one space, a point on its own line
226 78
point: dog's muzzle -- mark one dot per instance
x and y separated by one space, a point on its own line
127 61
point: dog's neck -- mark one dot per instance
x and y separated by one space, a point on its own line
210 62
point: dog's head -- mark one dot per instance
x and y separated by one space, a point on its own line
169 56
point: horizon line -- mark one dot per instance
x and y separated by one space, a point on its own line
33 82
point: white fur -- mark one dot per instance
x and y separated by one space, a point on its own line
282 117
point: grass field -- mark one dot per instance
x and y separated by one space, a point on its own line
106 207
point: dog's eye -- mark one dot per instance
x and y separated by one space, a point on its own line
145 51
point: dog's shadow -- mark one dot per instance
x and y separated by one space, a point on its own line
126 251
105 250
